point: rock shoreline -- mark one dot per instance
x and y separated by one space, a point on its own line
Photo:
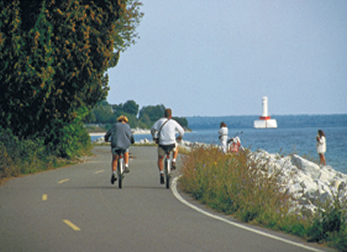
309 185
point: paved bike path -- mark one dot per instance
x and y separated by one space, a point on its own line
77 209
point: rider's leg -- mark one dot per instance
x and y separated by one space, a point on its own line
161 163
161 168
126 159
175 154
161 155
114 162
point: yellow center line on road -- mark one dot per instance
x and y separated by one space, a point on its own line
100 171
70 224
62 181
44 197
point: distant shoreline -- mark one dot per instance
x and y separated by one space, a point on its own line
134 131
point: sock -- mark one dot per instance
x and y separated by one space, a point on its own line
126 165
174 160
161 172
114 172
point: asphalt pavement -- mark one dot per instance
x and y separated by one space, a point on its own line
77 209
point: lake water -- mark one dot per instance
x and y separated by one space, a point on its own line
284 140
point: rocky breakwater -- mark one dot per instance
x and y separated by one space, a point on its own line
309 185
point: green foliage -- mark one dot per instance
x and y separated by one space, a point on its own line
105 113
29 156
75 141
102 113
182 121
22 156
54 55
330 225
130 107
152 113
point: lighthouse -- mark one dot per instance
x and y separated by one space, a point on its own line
265 120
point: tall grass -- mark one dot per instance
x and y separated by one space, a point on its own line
238 185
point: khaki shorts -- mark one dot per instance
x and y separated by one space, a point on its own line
161 151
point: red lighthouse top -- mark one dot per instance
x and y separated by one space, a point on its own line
264 117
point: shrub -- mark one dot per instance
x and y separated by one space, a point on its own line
329 225
233 184
32 155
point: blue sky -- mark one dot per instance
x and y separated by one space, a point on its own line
219 58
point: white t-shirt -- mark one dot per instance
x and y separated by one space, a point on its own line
168 131
223 132
321 145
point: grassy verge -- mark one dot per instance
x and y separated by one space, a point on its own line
236 185
31 156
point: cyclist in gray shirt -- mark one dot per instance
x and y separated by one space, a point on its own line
121 138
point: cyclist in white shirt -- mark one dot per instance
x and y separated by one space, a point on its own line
167 128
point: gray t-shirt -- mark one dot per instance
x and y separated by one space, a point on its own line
121 136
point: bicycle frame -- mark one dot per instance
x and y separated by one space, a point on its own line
167 166
167 163
120 168
167 169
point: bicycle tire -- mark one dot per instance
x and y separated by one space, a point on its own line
167 173
120 173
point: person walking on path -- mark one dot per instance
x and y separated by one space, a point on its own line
223 136
166 129
321 146
121 138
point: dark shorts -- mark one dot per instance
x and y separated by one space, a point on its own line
162 149
116 150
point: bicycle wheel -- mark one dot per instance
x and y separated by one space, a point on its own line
167 172
120 172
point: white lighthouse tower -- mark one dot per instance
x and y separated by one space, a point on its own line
265 120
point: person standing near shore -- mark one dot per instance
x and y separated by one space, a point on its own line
223 136
321 146
166 128
121 138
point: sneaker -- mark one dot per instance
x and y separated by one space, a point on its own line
173 165
162 181
113 179
127 170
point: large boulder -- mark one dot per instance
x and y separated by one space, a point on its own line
309 168
309 185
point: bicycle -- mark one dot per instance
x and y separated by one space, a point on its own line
167 163
234 144
120 167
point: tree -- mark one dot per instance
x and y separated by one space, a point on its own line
102 113
182 121
152 112
54 55
131 107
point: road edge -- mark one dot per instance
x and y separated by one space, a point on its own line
182 200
